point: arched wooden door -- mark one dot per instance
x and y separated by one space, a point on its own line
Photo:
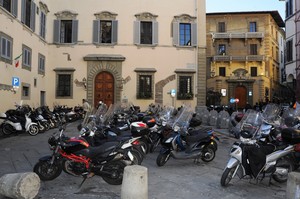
104 89
241 94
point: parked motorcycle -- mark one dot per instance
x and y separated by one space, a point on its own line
255 157
188 144
76 157
17 121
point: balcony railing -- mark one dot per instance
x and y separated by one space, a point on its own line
241 58
238 35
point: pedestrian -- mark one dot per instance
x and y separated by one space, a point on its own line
86 106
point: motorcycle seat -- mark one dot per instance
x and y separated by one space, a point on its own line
100 151
196 136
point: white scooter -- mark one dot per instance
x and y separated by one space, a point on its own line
11 123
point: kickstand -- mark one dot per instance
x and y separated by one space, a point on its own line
84 178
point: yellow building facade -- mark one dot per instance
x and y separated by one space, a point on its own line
243 56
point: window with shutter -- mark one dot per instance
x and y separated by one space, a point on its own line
105 28
41 66
65 29
28 13
5 48
146 29
184 31
26 57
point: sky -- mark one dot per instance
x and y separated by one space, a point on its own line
245 5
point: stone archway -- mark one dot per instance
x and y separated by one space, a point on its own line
104 63
159 88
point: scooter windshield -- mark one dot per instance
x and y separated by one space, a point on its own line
183 118
271 113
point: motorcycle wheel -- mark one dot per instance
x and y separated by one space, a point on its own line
7 129
144 145
33 130
137 159
208 154
285 164
47 126
116 170
46 171
162 158
227 176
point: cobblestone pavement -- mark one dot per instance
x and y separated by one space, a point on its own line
178 179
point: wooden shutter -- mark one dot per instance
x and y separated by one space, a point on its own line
175 33
96 26
114 34
194 34
56 33
32 16
154 32
14 7
74 31
23 11
137 32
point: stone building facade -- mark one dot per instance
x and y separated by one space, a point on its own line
130 50
244 56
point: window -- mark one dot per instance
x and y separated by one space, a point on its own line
43 25
184 31
11 6
253 71
25 91
222 71
105 31
65 31
289 50
185 88
145 87
252 27
222 49
146 32
63 85
185 34
289 8
221 27
26 58
28 13
41 62
6 48
253 49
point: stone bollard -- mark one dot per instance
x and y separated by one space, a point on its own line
135 182
293 186
20 185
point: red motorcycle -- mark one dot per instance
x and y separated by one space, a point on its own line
76 157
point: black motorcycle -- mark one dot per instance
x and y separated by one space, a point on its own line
76 157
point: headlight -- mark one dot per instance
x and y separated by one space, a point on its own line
176 128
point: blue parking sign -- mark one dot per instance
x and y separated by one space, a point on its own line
16 81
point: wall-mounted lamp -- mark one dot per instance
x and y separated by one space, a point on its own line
83 83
